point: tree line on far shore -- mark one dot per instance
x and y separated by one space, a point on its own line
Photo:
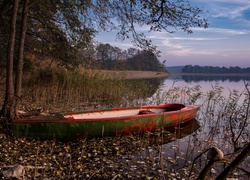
110 57
214 70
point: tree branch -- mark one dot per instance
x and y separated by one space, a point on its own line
235 163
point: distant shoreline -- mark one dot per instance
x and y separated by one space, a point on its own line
132 74
211 74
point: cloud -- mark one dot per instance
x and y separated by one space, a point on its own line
231 12
232 32
233 9
176 47
198 38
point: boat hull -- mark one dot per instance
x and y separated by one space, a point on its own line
83 125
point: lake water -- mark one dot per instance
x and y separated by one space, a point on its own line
221 117
179 84
208 82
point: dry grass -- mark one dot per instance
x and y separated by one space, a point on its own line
46 62
128 74
62 90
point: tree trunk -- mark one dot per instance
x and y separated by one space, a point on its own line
8 108
19 69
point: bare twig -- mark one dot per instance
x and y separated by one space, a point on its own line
195 160
247 85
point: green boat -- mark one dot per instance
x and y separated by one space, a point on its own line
100 123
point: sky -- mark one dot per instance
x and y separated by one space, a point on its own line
226 41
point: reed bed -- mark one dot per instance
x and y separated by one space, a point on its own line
224 123
60 90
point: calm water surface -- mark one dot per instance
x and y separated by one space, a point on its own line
214 128
179 84
206 83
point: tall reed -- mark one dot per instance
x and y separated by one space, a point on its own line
224 121
61 90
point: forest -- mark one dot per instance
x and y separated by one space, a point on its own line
104 56
113 58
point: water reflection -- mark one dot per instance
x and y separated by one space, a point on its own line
172 133
149 86
206 83
197 78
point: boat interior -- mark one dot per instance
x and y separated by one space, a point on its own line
119 113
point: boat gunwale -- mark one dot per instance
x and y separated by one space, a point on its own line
160 106
62 119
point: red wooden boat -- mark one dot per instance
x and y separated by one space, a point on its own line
99 123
